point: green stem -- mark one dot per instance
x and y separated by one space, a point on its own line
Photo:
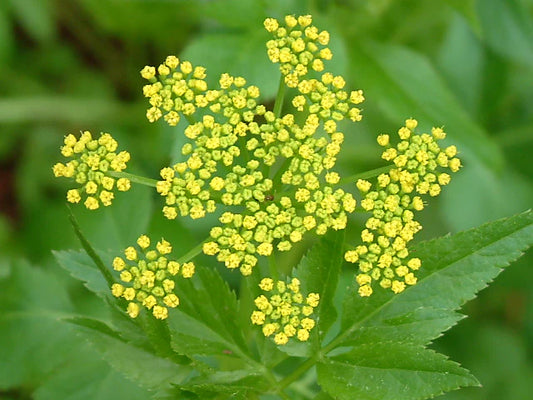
190 119
272 265
193 252
279 98
90 250
365 175
299 371
277 176
134 178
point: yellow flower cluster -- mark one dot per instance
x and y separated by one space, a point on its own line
327 99
177 87
297 46
92 161
279 219
393 200
148 277
233 152
284 312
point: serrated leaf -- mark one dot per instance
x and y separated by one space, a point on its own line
454 269
138 365
319 272
405 84
86 377
391 371
81 267
205 321
231 382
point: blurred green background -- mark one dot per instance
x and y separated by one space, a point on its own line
71 65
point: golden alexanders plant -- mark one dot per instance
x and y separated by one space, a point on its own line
270 176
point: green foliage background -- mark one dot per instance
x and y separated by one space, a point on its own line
73 65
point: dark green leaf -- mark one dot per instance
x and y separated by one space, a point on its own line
87 377
391 371
138 365
205 321
81 267
230 382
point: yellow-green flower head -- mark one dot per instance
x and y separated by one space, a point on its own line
91 164
271 220
176 87
328 100
297 46
179 89
148 277
283 311
229 154
393 201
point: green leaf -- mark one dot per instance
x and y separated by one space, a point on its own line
205 321
86 376
82 267
319 272
405 85
40 351
454 269
138 365
390 371
236 381
33 342
323 396
507 27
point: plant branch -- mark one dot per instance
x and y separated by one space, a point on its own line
134 178
365 175
279 98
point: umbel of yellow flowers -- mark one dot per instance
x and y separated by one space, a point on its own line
148 277
283 312
91 162
393 200
229 157
272 173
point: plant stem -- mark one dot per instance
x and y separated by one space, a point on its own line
299 371
90 250
134 178
193 252
279 98
366 175
273 267
190 119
